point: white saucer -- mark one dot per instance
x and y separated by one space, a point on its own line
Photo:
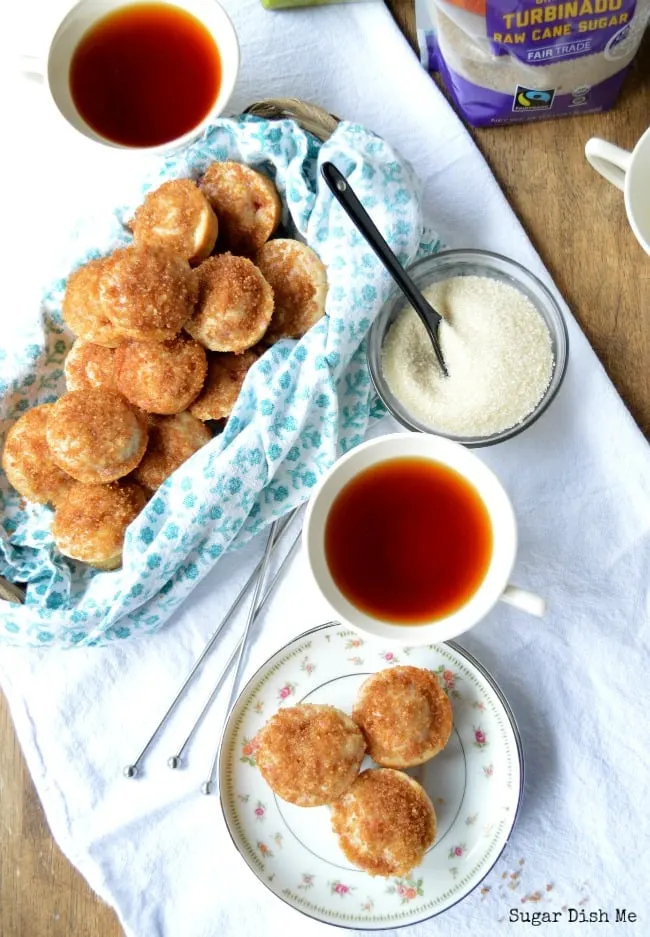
475 785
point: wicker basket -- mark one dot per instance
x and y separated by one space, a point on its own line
311 118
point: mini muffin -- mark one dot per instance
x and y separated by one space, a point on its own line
147 291
172 440
246 203
310 754
88 365
95 436
82 307
161 377
90 523
226 375
178 216
405 716
27 460
385 822
235 304
299 280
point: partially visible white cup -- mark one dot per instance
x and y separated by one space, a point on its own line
504 529
630 172
54 71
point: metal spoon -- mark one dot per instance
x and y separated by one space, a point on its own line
346 198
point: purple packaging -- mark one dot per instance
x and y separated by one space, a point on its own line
509 61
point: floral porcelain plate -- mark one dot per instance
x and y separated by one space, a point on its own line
475 785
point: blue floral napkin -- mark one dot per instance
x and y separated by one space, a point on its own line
302 405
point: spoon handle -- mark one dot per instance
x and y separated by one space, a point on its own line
351 204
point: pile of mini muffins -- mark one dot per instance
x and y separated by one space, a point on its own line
167 329
310 755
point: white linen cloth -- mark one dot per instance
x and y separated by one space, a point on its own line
156 849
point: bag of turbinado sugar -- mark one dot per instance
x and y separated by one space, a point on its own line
509 61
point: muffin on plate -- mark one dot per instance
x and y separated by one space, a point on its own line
405 716
28 462
385 822
310 754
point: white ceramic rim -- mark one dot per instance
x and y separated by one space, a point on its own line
87 12
453 455
637 183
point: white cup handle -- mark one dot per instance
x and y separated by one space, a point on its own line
610 161
524 601
33 68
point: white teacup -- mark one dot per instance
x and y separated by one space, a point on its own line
55 70
630 172
504 528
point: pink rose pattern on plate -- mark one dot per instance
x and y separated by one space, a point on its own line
307 881
457 852
407 889
448 680
248 750
480 738
260 811
307 667
286 691
353 643
339 888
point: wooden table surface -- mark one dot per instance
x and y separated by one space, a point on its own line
577 222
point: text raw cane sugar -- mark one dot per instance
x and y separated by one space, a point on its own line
497 349
557 13
507 61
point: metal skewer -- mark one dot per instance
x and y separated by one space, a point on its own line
175 761
131 770
206 787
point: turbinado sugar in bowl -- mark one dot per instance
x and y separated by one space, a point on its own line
497 348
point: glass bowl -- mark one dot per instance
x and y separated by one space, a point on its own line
454 263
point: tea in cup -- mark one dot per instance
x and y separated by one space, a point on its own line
412 538
178 63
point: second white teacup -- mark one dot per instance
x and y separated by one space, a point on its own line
494 585
86 14
630 172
